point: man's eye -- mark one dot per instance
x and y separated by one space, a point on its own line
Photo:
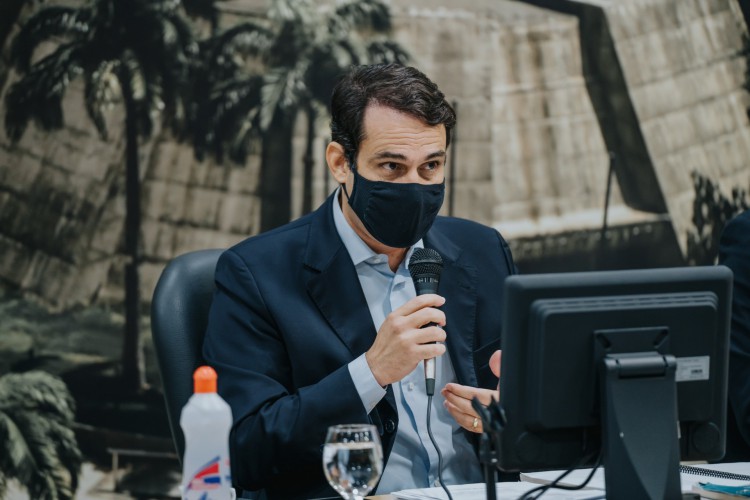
432 165
390 166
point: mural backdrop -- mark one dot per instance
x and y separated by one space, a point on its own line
593 134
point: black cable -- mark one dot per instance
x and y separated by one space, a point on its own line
541 490
437 449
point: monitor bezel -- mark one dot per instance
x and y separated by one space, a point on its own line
570 446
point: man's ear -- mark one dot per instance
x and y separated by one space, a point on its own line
337 162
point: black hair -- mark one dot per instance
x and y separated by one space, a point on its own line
402 88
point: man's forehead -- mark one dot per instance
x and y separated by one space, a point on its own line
379 120
375 108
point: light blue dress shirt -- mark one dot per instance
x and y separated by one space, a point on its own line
413 462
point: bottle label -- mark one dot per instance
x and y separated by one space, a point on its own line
206 478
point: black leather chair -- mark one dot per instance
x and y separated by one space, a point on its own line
179 315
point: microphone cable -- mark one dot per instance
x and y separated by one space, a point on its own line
437 448
425 268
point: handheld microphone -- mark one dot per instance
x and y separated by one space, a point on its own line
425 266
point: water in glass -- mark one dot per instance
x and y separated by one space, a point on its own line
352 459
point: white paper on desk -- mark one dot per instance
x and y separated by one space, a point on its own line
505 491
687 480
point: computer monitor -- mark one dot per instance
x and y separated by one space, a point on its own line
612 361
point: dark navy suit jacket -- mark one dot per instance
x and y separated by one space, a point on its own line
289 315
734 252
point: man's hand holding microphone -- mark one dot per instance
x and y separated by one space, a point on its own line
414 332
402 343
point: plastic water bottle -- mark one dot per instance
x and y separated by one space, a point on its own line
206 420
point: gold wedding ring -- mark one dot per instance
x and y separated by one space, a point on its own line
475 424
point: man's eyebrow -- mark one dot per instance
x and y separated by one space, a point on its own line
389 155
398 156
436 154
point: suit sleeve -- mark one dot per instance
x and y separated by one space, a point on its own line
278 429
511 266
734 252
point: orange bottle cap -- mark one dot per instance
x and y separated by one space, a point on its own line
204 379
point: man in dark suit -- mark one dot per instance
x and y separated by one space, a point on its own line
317 323
734 252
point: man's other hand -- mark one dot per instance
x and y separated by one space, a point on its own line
495 361
458 398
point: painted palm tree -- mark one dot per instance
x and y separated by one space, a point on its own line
203 9
711 212
261 74
37 444
9 12
134 52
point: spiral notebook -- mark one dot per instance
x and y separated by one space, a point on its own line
731 474
719 471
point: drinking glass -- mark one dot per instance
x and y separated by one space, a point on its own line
353 459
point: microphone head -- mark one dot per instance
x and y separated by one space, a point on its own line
425 264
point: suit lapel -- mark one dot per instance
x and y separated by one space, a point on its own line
458 284
334 286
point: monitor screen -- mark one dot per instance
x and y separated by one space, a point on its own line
612 361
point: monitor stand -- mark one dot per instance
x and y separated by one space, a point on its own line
640 427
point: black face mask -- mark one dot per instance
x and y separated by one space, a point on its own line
395 214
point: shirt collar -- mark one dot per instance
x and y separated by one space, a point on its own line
358 249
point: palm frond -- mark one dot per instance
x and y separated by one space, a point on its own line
39 392
167 32
205 9
386 51
281 91
39 446
52 478
231 104
157 6
101 92
328 61
3 484
297 12
39 93
48 23
17 110
103 15
131 71
67 451
342 52
249 39
360 15
163 85
16 460
297 23
185 40
167 61
153 105
247 130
